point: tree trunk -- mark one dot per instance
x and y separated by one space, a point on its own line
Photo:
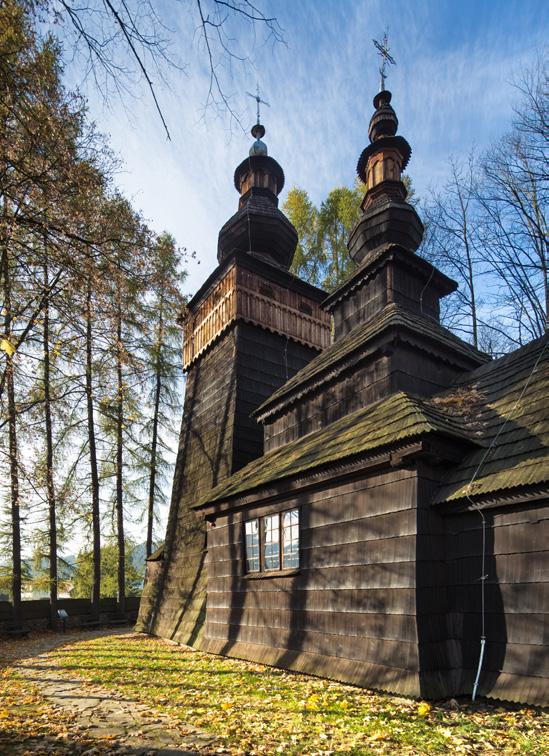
13 453
94 474
119 471
154 444
52 515
156 419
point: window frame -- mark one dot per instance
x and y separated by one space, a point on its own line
253 558
264 571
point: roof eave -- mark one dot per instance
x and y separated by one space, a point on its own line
432 445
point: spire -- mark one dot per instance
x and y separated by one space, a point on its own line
383 52
259 227
382 163
387 218
258 131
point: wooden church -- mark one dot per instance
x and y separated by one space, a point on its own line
359 494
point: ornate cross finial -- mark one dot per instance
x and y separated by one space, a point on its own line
383 51
258 100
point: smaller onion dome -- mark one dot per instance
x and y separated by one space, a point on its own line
382 131
258 147
384 121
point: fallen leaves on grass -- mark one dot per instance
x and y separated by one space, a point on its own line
29 725
258 710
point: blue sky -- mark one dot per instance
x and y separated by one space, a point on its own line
452 90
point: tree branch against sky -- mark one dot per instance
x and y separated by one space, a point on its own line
121 44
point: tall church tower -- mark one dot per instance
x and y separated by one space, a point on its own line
250 327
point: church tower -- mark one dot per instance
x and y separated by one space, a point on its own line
250 327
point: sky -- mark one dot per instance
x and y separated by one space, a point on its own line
452 91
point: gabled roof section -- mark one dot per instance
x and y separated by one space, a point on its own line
506 403
386 422
338 356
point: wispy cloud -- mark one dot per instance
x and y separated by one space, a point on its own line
451 90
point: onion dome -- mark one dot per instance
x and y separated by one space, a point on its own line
387 218
259 227
393 151
258 147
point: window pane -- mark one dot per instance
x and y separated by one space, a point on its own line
252 546
272 542
290 539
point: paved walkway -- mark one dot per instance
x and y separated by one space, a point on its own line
101 716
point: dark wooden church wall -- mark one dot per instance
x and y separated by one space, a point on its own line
266 360
408 368
217 438
153 575
349 613
516 664
439 658
347 393
388 285
204 458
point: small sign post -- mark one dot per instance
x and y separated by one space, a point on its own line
63 616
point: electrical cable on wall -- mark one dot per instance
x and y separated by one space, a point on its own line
476 507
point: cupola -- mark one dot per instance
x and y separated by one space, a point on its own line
259 227
388 218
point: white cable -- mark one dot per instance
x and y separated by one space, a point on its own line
484 576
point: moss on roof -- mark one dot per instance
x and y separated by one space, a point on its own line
386 422
512 420
333 359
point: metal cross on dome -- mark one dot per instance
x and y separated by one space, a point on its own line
383 51
258 100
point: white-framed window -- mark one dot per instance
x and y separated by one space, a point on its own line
252 546
290 539
271 550
272 542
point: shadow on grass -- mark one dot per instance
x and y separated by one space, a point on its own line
15 743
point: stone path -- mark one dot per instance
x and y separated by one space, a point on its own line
97 714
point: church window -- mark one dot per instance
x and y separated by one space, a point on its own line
272 542
252 546
290 539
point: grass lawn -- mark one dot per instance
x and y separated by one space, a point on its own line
256 709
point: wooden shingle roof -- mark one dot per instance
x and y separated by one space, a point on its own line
506 406
388 421
344 353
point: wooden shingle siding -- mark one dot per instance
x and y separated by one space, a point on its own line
354 595
387 285
380 374
517 599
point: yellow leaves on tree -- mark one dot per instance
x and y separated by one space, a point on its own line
7 347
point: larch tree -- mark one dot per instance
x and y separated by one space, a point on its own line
322 257
162 347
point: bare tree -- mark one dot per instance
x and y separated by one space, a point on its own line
452 242
123 42
513 196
